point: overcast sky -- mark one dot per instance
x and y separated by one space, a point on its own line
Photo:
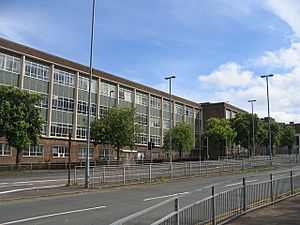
217 49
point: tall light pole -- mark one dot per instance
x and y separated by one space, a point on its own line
170 109
269 122
200 133
253 136
87 155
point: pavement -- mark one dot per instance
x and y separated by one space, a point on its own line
281 213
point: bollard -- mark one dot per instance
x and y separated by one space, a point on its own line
124 174
292 182
150 172
244 194
176 209
271 188
213 206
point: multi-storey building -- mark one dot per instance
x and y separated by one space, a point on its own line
65 87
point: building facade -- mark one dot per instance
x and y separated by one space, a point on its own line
65 87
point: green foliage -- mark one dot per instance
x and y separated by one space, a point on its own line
243 126
276 132
118 128
219 132
288 137
182 138
20 119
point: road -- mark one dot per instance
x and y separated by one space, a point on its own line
104 207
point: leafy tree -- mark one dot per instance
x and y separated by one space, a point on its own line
20 119
118 128
243 126
276 132
182 138
288 137
219 133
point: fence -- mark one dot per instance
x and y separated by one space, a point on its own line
124 174
219 208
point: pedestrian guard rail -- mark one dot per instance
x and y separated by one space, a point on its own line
125 174
219 207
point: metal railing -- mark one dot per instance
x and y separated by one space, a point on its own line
126 174
219 208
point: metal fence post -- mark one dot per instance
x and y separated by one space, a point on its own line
213 206
292 182
271 188
75 176
244 194
124 174
104 174
176 208
49 166
93 177
190 170
150 172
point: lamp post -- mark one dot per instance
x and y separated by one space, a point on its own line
200 130
170 109
109 151
269 122
253 138
87 155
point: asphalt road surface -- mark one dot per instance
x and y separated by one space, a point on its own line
105 207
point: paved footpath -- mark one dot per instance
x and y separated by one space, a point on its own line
282 213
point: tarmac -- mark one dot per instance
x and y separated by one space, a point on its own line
281 213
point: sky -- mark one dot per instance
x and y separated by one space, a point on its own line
217 49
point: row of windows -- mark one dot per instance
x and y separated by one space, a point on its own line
63 77
179 109
154 121
141 99
60 129
84 82
108 90
142 118
63 103
36 70
125 94
143 139
155 139
81 132
155 102
83 107
9 63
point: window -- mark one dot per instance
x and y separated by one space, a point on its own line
141 99
154 121
143 139
60 130
84 82
34 151
166 106
81 132
228 114
62 103
179 109
9 63
142 118
63 77
155 102
108 90
155 139
82 152
44 102
36 70
60 151
166 124
82 107
189 112
5 150
105 154
125 94
103 111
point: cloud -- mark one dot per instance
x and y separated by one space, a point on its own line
285 57
227 75
288 11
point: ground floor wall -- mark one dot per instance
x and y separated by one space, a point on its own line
56 151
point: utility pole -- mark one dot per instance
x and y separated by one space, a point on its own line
69 160
253 136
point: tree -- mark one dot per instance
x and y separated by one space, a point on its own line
276 132
288 137
117 128
220 134
242 124
182 138
20 119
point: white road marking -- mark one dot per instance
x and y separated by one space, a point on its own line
52 215
31 188
165 196
234 184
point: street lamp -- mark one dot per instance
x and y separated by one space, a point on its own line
253 138
269 122
109 151
170 109
87 155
